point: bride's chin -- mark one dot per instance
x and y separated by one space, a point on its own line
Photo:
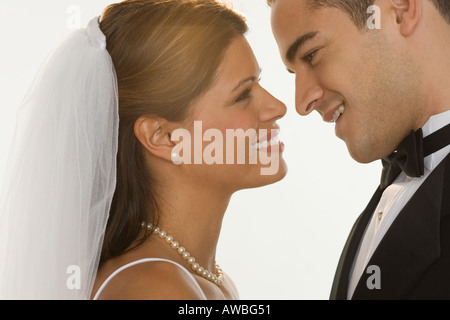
280 173
267 176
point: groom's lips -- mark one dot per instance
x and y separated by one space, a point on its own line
328 116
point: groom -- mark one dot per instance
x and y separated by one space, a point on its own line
380 70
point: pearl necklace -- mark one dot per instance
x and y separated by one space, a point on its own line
217 278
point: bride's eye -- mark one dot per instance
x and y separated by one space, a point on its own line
243 96
246 94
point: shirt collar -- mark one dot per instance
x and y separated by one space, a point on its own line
433 124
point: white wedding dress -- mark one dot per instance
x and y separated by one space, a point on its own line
129 265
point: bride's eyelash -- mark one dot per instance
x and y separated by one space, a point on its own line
244 95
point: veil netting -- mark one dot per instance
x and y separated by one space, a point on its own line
61 173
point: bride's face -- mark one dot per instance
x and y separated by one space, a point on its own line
233 131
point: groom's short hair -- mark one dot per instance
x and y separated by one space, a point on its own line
357 9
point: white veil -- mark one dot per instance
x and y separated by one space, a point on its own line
61 174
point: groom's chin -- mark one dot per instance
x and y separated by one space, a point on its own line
364 155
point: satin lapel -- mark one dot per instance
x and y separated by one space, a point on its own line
411 244
340 283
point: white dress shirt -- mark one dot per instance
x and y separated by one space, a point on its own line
393 200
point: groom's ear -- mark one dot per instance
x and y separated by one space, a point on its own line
407 13
154 134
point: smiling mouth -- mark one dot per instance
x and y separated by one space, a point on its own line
332 118
268 141
338 113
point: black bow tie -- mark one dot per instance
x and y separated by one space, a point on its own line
410 154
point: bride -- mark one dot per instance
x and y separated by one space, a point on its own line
103 200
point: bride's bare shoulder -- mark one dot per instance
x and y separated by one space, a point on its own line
152 280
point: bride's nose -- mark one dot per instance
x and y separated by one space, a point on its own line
272 109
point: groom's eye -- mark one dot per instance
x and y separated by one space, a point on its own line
309 57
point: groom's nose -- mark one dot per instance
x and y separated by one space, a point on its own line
307 93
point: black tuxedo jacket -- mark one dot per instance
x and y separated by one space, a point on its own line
414 255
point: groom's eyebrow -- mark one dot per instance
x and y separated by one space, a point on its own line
298 44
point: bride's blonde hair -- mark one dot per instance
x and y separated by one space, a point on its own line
166 54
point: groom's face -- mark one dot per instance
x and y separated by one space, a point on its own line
357 80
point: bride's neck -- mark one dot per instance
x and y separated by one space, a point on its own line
194 218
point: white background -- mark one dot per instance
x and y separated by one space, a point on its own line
278 242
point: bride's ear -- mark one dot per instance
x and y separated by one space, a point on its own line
154 133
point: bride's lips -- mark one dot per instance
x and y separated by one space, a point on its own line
269 142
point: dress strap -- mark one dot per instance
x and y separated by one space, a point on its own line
143 261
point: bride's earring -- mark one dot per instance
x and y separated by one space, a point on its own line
176 158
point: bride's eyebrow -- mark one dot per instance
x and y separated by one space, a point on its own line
249 79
